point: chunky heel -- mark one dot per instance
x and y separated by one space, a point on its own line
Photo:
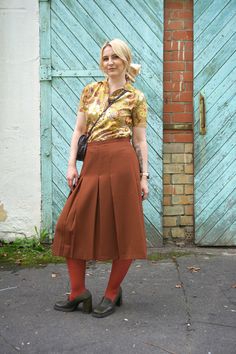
119 300
87 305
71 305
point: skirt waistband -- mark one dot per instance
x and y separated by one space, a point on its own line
109 141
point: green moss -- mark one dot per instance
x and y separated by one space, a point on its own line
155 256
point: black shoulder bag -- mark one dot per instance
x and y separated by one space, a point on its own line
83 140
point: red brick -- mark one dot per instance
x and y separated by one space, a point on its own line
175 96
173 45
188 107
188 25
166 200
188 86
181 14
186 96
182 97
174 66
183 138
182 117
174 25
173 86
174 5
168 56
178 55
188 4
167 118
167 85
168 35
182 35
189 66
167 138
188 55
182 76
181 55
167 76
174 107
167 97
188 46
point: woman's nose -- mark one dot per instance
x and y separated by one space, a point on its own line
110 61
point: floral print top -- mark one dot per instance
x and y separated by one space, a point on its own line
128 111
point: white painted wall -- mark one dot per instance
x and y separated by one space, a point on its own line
20 194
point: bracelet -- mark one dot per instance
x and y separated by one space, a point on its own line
144 174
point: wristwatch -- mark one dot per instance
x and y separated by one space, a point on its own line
144 174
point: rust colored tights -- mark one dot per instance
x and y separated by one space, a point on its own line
77 268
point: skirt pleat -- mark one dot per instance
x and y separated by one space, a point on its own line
103 216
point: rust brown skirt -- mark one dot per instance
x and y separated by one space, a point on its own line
103 217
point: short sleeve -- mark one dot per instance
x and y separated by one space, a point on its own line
139 112
83 100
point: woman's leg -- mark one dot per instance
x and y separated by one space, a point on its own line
76 270
119 270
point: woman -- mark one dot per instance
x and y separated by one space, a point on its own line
103 217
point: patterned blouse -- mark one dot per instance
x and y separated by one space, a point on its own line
128 111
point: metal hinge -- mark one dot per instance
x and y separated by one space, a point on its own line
45 72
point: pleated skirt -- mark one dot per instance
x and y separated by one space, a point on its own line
103 216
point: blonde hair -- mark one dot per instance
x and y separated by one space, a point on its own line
121 49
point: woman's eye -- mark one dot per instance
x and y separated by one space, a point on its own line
105 59
115 57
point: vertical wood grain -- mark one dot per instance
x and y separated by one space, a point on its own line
77 33
215 157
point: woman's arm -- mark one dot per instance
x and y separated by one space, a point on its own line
140 146
80 128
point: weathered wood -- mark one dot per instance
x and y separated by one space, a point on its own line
213 8
218 84
211 68
77 33
208 53
45 115
215 158
214 29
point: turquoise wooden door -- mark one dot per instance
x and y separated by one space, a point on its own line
215 152
72 33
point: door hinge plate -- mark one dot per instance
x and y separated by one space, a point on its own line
45 72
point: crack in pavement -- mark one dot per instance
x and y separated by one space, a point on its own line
187 307
215 324
189 328
188 322
11 345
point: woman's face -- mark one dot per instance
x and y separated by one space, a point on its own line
113 66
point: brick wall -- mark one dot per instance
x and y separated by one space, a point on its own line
178 121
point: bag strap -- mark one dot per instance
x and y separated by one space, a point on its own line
110 102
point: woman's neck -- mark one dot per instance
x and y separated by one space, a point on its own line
116 83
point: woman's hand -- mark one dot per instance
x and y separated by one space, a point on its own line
144 187
72 176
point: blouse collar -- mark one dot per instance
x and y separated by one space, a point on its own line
127 86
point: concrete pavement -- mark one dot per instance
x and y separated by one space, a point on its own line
185 305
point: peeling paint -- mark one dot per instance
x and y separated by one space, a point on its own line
179 44
3 213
